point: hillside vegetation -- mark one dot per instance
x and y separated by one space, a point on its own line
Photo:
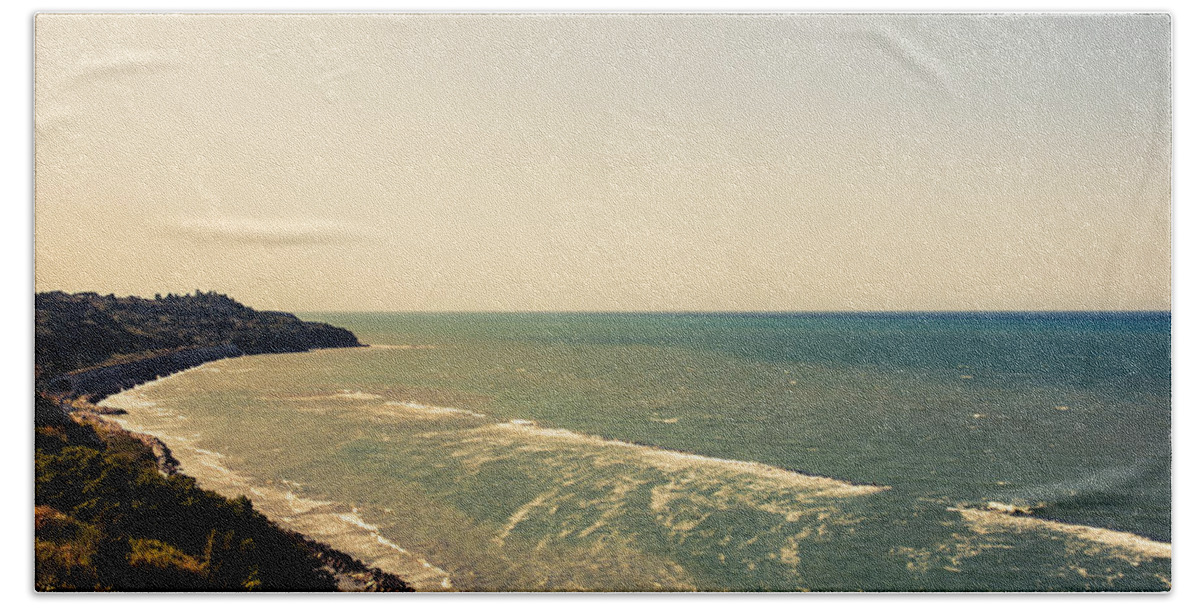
106 516
107 519
75 331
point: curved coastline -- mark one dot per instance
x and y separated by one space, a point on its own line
84 398
345 527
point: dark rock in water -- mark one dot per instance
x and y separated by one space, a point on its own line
166 461
350 573
1012 509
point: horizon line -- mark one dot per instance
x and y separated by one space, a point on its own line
780 311
761 312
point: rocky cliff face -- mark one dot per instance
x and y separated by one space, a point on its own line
89 346
100 382
84 330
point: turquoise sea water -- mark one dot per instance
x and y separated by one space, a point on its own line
706 451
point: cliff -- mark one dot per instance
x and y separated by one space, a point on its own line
111 512
83 330
99 382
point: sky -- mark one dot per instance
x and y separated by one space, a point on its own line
619 162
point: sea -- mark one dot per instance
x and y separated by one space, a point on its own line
706 451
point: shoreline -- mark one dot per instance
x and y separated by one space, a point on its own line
315 514
279 504
350 573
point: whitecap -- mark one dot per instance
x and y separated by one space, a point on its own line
672 461
1126 545
433 409
356 395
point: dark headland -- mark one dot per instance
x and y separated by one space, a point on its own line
112 513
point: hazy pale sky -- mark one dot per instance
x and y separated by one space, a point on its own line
635 162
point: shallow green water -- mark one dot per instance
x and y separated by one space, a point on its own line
625 451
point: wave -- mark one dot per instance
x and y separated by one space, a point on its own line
356 395
345 528
434 410
345 394
592 491
134 400
329 522
672 461
1126 545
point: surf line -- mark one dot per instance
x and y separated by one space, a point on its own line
666 459
985 520
335 524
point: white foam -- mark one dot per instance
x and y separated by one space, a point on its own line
357 395
672 461
434 410
304 505
128 400
1131 547
354 519
209 460
283 504
1011 509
